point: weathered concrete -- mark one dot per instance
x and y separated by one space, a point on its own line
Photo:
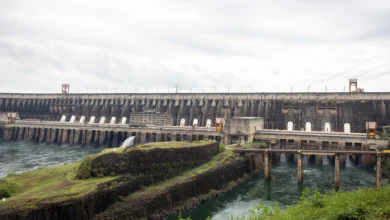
276 108
378 171
336 172
300 169
318 140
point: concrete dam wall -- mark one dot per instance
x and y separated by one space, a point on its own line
322 110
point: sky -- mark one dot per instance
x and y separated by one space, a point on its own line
197 45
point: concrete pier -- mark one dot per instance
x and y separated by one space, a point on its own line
336 172
378 171
300 169
267 166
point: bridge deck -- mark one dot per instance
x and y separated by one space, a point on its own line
311 152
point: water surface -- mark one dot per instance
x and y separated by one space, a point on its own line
21 156
282 188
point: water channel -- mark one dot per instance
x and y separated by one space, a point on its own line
282 188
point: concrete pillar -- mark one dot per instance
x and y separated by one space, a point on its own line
96 139
378 171
21 133
300 169
42 135
115 139
76 139
53 136
336 172
47 138
318 159
143 138
102 137
267 166
65 137
59 136
173 137
158 137
71 137
31 134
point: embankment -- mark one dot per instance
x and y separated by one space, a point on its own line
185 191
106 178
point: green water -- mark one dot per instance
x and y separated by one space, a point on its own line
282 188
21 156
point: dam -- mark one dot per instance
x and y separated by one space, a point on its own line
101 118
277 109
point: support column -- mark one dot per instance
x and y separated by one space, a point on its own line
143 138
300 169
378 171
65 137
158 137
336 172
173 137
267 166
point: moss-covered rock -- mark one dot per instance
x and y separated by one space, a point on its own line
162 161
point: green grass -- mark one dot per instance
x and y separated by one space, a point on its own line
47 185
369 203
155 188
151 145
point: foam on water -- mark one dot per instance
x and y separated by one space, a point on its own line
348 162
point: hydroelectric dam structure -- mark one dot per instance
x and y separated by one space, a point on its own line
277 109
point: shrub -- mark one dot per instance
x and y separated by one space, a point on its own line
221 148
5 193
84 170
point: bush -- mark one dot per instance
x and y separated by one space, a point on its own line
5 193
221 148
84 170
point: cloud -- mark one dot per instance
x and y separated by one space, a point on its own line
259 46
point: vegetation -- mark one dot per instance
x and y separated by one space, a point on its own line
256 144
155 188
369 203
48 184
59 183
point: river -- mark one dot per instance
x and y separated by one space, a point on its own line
23 156
282 188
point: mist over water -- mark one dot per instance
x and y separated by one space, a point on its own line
282 188
21 156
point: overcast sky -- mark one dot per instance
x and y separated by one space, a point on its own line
260 46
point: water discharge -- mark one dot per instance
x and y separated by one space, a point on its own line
282 188
22 156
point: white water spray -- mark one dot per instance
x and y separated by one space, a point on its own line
325 160
305 159
128 142
348 162
124 119
283 157
102 120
